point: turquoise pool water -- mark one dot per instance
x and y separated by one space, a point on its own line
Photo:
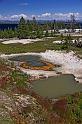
57 86
52 87
30 59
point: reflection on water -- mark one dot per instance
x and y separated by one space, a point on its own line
30 59
57 86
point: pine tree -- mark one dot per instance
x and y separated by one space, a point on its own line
22 30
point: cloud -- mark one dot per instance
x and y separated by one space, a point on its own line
18 16
67 15
44 16
14 17
58 16
23 4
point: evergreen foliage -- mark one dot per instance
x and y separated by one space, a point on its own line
34 29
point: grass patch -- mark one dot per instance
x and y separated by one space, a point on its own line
19 78
39 46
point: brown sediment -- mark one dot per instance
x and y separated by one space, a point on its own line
47 66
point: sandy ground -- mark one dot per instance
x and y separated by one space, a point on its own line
70 63
22 41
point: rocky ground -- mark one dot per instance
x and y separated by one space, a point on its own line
20 105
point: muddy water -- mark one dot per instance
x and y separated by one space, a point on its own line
57 86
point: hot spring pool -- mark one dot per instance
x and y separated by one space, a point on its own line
52 87
56 86
32 60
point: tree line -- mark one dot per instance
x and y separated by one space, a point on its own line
34 29
27 29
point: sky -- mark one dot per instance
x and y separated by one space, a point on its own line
41 9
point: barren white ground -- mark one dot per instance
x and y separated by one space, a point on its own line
22 41
70 63
58 42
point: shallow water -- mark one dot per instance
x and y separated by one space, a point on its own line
30 59
57 86
52 87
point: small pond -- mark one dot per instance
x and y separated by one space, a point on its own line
56 86
32 60
52 87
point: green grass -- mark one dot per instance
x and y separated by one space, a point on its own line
39 46
35 47
19 78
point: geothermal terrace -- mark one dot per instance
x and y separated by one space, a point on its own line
69 63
